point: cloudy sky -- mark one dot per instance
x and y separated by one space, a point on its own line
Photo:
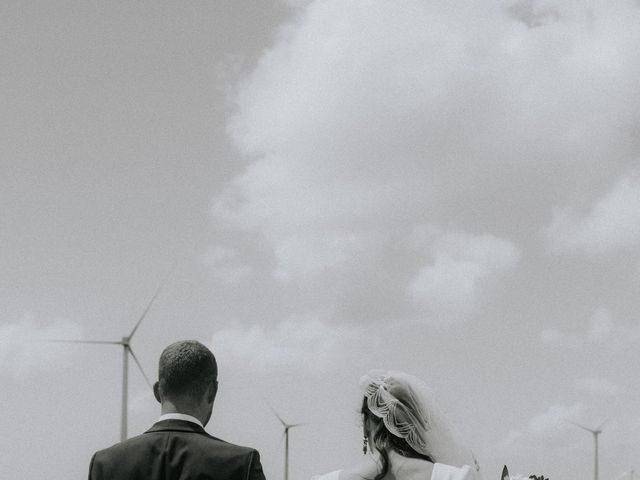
446 188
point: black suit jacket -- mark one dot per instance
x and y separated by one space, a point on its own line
176 450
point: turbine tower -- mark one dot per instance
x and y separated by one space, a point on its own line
286 427
126 351
595 433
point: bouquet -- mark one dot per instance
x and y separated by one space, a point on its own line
505 476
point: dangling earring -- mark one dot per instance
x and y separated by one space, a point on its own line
365 444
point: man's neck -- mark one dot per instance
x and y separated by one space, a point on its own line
180 416
169 407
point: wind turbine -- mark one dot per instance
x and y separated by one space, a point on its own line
286 427
126 351
595 434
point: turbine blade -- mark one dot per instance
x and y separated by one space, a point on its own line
146 310
53 340
599 428
295 425
284 424
140 367
582 426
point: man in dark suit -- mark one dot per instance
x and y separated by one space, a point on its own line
177 446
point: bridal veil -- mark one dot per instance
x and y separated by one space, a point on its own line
409 411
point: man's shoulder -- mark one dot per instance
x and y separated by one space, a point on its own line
201 439
150 454
222 447
228 445
124 446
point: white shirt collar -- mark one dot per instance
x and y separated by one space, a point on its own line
180 416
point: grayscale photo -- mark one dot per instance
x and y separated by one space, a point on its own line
320 240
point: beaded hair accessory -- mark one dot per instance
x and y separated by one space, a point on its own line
407 407
395 402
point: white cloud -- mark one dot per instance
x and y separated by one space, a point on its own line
601 328
599 386
364 120
553 422
462 265
297 343
531 446
611 223
532 14
307 254
546 428
21 354
313 224
556 338
551 433
226 265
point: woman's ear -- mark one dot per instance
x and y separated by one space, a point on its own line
365 424
369 427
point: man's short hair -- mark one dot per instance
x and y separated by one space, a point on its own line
186 368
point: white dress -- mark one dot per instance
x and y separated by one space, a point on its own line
440 472
447 472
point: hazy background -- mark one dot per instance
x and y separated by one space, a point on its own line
447 188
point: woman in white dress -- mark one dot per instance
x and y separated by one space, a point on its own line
406 436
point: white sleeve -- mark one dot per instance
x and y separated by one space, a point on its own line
328 476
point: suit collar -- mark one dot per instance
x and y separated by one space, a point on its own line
176 426
180 416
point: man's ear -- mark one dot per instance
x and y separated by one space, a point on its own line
156 392
213 390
